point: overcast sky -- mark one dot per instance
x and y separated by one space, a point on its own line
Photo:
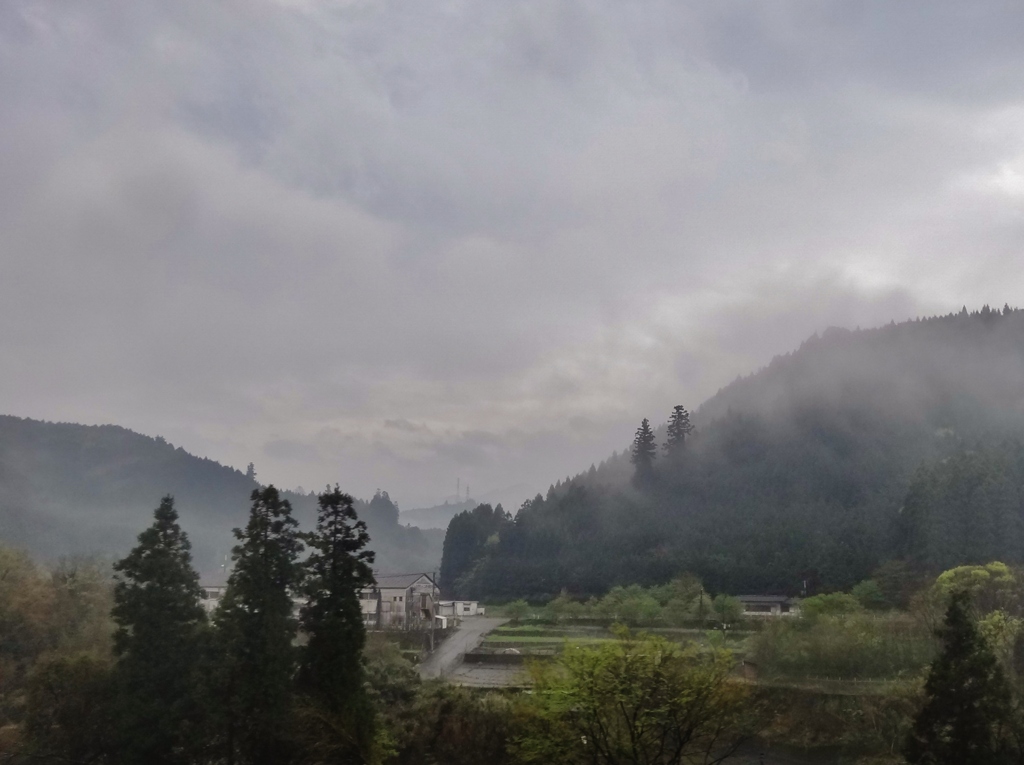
392 244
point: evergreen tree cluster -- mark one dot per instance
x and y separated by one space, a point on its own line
897 443
964 508
239 688
644 450
967 715
466 541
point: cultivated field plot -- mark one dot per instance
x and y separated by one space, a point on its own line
546 640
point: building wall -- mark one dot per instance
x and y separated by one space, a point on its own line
211 596
401 607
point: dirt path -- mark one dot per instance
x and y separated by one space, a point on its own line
448 655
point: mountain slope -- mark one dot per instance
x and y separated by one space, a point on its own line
76 489
795 474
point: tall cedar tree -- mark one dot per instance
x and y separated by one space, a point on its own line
466 540
678 429
337 715
643 453
968 698
159 621
257 628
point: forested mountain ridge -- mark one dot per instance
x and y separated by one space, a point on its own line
77 489
929 369
796 475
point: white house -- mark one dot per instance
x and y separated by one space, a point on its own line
400 601
210 596
460 608
369 602
769 605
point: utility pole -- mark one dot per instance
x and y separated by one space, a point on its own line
433 607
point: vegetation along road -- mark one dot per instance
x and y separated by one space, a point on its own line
468 636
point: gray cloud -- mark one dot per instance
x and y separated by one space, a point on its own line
389 245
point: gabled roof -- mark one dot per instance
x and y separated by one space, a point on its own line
764 599
399 581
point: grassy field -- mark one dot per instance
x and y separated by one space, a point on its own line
538 636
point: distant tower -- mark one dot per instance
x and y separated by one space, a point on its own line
467 492
458 487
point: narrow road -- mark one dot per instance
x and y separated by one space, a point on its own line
468 636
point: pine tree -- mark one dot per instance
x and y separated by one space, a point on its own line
159 621
256 629
338 717
968 698
643 453
678 429
465 542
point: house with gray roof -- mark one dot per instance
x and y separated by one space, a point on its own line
769 605
400 601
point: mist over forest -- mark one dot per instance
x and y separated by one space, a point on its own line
896 443
69 489
520 382
801 477
852 473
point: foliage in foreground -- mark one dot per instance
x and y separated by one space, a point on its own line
256 630
634 700
176 691
967 712
159 618
854 646
335 717
809 718
55 649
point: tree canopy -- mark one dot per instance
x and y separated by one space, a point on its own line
256 630
635 701
157 645
967 707
337 719
643 453
859 453
677 430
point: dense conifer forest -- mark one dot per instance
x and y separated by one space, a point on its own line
901 442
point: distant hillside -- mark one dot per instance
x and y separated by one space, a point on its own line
67 489
796 474
436 517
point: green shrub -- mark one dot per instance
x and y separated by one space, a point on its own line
856 646
517 610
833 604
870 596
727 608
